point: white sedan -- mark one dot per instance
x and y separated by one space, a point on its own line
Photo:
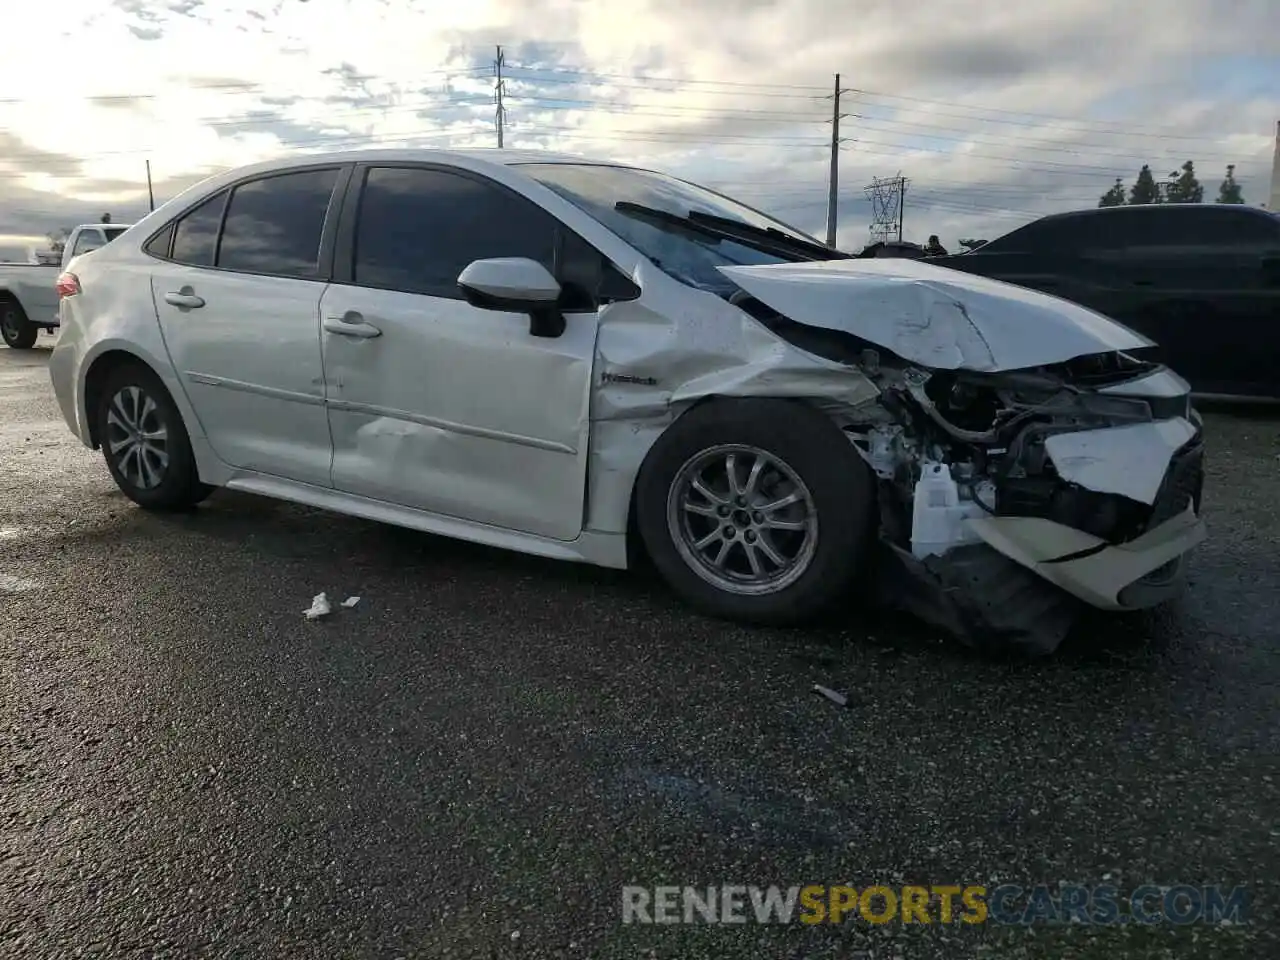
574 359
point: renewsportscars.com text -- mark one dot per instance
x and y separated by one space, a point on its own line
1007 904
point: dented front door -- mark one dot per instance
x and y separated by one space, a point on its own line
437 405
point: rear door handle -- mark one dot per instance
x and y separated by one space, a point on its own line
184 299
351 324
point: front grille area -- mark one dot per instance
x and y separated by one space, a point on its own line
1183 482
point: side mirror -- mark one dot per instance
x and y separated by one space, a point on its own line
518 285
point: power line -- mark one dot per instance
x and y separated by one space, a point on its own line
785 122
675 84
734 92
680 80
629 107
1125 127
680 139
741 115
1020 142
1050 165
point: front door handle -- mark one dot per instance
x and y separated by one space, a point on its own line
351 324
184 299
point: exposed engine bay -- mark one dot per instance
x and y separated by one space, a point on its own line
950 447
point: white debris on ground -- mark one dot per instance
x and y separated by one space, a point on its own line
12 584
839 699
319 607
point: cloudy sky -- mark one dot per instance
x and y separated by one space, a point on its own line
995 112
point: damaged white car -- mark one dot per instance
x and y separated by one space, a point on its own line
583 360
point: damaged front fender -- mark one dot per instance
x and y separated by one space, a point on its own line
660 354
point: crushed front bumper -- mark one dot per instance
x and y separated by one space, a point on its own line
1126 576
1131 574
1022 583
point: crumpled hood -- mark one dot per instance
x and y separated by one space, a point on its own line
935 317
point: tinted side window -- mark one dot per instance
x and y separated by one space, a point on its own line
88 240
158 246
418 229
1227 226
274 225
195 239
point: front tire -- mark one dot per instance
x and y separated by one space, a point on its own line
18 332
145 442
756 510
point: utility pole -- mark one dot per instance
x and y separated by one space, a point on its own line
833 183
902 202
151 197
499 88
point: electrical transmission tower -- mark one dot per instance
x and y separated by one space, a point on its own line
499 89
888 196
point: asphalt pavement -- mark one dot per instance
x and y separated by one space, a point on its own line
476 758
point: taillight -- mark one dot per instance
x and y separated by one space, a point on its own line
68 285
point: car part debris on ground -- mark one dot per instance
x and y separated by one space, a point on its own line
319 607
839 699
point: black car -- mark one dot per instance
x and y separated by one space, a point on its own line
1202 280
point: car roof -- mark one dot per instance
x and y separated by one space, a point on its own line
1130 210
490 155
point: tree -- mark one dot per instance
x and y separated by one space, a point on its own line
972 244
1113 197
1229 192
1186 189
1144 189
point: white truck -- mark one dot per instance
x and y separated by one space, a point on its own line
28 293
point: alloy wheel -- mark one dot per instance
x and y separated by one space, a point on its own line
742 519
137 438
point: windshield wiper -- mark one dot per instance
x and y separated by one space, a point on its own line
769 240
819 251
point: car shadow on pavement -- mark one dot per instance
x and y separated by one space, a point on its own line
365 549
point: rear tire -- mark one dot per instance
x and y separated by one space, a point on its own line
18 332
781 543
145 442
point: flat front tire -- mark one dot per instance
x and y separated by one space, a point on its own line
145 442
756 510
17 331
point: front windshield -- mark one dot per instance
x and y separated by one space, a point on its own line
690 258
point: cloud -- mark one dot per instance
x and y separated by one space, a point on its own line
995 113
